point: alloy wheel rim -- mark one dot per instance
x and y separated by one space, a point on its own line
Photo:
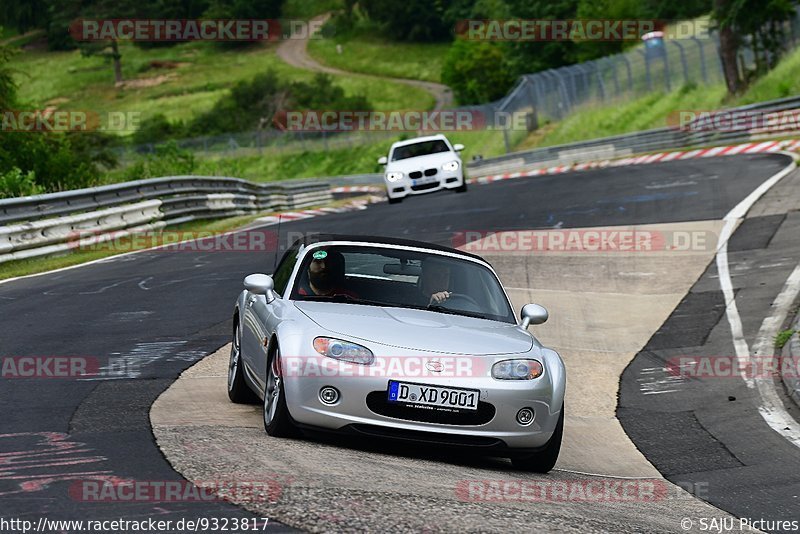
233 365
273 391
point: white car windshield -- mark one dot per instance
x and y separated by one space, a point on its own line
381 276
423 148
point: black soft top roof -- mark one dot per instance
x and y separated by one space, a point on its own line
312 238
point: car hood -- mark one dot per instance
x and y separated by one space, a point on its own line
418 330
422 162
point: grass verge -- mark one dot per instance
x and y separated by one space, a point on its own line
371 55
782 338
317 161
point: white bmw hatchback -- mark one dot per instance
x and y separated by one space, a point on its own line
422 165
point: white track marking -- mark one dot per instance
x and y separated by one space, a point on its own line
771 408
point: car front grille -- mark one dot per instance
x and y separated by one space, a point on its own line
423 187
376 401
418 174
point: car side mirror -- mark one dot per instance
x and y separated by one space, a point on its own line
382 160
533 314
458 147
260 284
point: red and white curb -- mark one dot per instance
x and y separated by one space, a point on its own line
746 148
356 205
357 189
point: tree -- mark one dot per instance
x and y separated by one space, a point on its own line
24 16
410 20
762 23
8 88
477 71
728 45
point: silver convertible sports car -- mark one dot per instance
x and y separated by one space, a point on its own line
399 340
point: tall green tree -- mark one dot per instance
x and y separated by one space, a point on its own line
8 88
410 20
758 24
477 71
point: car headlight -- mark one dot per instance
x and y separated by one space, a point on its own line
450 166
394 176
343 350
517 370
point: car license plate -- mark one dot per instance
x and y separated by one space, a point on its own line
434 396
424 181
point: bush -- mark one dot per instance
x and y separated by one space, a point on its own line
15 183
58 161
252 105
322 94
476 71
157 128
168 160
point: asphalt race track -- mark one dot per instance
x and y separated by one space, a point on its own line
160 311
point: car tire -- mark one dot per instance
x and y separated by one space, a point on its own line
462 188
238 390
393 200
545 460
277 421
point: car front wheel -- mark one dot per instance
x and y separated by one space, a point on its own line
277 422
238 390
545 460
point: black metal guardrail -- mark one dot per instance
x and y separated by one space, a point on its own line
48 224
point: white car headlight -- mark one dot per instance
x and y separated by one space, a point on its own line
517 370
343 350
394 176
450 166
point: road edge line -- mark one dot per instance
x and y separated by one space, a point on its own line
771 408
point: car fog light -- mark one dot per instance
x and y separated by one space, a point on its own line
329 395
525 416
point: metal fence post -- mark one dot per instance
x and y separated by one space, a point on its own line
600 85
683 61
564 89
646 70
613 67
703 71
668 81
628 68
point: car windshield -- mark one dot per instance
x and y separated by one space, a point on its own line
380 276
419 149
